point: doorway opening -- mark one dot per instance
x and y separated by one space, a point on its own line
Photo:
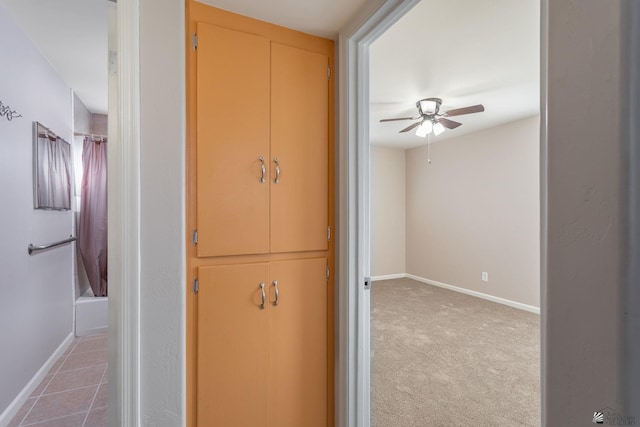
359 53
454 216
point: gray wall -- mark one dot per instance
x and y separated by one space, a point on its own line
81 116
588 196
388 211
36 305
476 208
99 124
631 94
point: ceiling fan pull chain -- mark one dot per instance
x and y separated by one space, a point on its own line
429 149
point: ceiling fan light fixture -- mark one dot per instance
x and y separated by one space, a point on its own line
424 129
427 106
438 128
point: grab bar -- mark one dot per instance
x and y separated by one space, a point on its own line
31 249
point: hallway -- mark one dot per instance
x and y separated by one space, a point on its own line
74 392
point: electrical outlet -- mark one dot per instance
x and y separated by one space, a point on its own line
485 276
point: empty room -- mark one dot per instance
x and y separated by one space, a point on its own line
454 216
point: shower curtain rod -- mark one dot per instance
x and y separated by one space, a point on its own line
92 135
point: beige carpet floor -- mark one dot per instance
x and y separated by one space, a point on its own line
441 358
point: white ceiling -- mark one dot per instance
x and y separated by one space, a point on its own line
465 52
322 18
72 35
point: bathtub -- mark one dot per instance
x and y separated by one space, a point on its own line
91 314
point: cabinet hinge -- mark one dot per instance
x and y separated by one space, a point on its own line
113 63
328 272
194 41
196 286
328 73
195 237
329 233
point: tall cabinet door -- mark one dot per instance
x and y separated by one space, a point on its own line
299 149
232 134
298 343
233 339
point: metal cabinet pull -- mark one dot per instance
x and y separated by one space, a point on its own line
264 170
277 180
275 283
263 296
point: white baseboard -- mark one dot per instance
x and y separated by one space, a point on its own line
14 407
389 277
488 297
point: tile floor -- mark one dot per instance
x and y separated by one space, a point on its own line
74 392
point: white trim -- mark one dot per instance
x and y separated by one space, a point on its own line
389 277
91 315
124 230
21 398
510 303
504 301
352 323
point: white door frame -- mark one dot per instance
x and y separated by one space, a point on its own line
124 224
353 317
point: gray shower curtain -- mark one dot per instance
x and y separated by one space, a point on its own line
93 214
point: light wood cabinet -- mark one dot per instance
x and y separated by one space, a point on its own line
260 167
262 145
263 363
232 133
299 139
233 351
298 344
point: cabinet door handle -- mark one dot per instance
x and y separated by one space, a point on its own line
263 296
275 284
277 180
264 170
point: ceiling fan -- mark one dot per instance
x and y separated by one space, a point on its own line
431 120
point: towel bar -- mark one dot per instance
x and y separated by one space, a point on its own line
31 248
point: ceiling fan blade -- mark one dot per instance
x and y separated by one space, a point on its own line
466 110
449 124
399 118
408 128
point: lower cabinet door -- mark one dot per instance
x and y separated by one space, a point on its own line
233 343
298 343
263 366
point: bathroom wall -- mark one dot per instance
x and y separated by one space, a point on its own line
36 306
81 124
99 124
